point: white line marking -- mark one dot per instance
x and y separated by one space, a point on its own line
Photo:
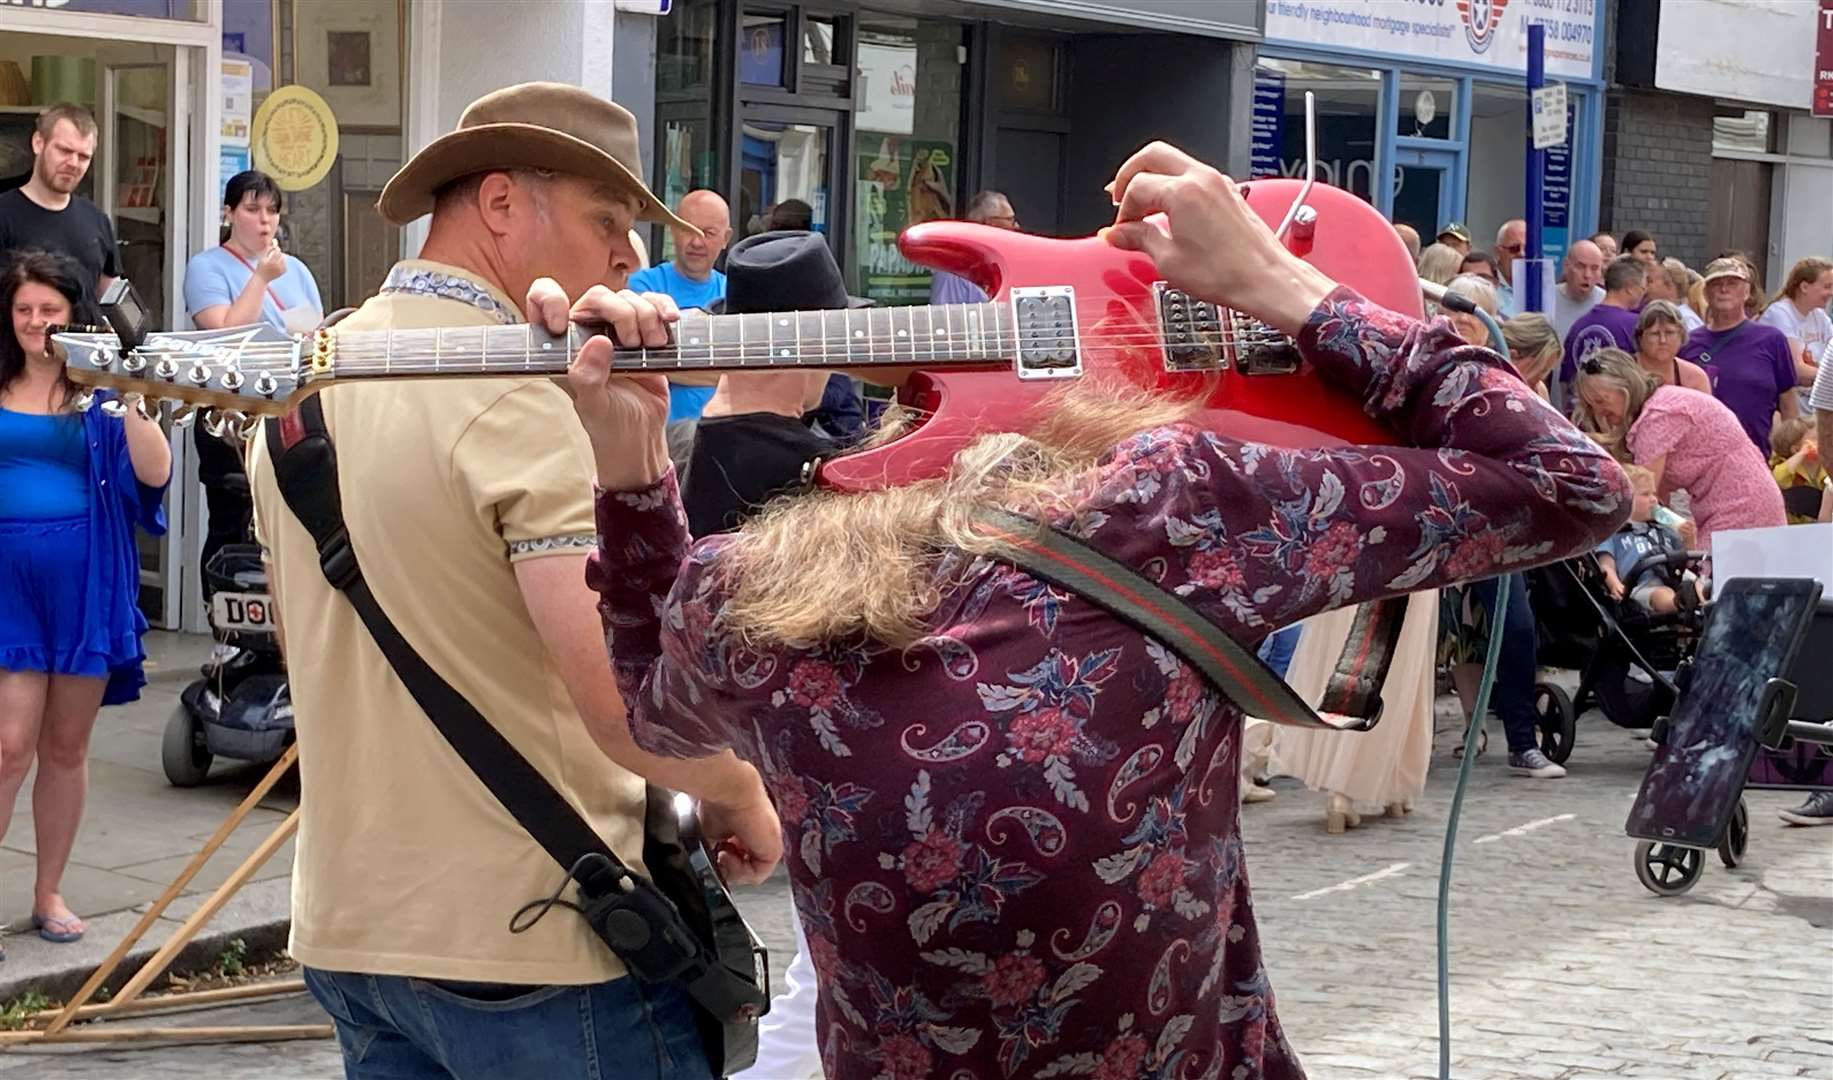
1523 830
1355 882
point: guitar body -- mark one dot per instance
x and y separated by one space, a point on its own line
1120 326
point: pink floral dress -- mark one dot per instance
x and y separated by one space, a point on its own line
1708 454
1013 845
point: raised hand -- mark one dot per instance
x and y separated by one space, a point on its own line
1209 242
623 416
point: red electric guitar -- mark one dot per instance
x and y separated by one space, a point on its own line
1060 310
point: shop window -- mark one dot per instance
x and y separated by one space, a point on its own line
687 163
1743 131
1809 136
1426 107
781 165
821 44
1348 104
684 49
1027 75
760 49
906 146
1496 183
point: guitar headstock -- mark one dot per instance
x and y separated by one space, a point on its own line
251 370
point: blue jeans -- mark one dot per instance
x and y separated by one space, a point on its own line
395 1028
1517 666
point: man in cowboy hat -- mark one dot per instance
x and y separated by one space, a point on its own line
469 505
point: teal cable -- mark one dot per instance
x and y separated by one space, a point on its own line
1498 616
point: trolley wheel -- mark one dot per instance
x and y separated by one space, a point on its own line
1557 721
1737 836
1668 869
182 751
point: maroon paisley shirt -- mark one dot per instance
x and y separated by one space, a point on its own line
1013 846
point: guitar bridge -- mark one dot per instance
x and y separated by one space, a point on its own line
1254 348
1049 346
1192 331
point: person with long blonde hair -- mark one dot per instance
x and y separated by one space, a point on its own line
1012 817
1685 438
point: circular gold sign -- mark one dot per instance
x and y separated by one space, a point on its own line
295 138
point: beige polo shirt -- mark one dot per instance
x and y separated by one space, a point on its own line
406 865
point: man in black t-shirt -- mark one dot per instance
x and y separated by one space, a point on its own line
751 443
46 214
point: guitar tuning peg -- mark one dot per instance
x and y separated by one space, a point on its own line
199 373
213 424
133 364
114 407
166 368
138 401
84 400
232 379
184 415
266 384
102 359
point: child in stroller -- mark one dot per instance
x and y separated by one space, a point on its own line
1627 616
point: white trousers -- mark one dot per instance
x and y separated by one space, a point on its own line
787 1045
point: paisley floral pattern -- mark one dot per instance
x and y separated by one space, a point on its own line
1014 847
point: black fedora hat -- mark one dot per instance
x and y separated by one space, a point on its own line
785 270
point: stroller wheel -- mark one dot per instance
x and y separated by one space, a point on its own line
1667 869
1737 836
182 752
1557 721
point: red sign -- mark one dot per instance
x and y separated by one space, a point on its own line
1823 61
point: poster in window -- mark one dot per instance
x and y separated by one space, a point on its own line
349 51
902 182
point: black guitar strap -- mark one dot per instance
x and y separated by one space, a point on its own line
1065 561
305 469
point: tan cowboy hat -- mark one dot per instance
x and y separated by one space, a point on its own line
537 125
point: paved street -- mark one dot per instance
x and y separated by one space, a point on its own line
1562 964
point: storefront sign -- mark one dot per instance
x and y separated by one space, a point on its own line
230 161
1745 50
887 88
1479 33
1823 62
295 138
1269 120
902 182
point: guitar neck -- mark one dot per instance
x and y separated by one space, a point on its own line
939 335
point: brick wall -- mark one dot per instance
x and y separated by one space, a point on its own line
1657 169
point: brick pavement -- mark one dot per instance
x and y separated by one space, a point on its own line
1563 966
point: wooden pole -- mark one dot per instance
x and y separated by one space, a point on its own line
188 999
154 967
110 1033
70 1010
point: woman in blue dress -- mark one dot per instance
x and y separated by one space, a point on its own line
73 486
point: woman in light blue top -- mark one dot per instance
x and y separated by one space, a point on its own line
249 279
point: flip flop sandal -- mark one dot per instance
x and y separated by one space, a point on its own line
47 929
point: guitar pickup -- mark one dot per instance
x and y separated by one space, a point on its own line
1258 349
1049 344
1192 331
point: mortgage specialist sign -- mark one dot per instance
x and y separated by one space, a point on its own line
1472 33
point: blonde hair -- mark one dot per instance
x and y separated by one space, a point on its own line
1658 311
1805 272
1786 437
1612 369
829 566
1531 335
1640 479
1439 263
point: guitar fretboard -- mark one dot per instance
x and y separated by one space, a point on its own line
934 335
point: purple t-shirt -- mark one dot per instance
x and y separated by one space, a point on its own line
1750 368
1603 327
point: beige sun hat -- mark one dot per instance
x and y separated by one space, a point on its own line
537 125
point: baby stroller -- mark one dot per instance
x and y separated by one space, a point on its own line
239 707
1627 657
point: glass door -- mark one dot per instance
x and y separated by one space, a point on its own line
788 172
134 185
1423 196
